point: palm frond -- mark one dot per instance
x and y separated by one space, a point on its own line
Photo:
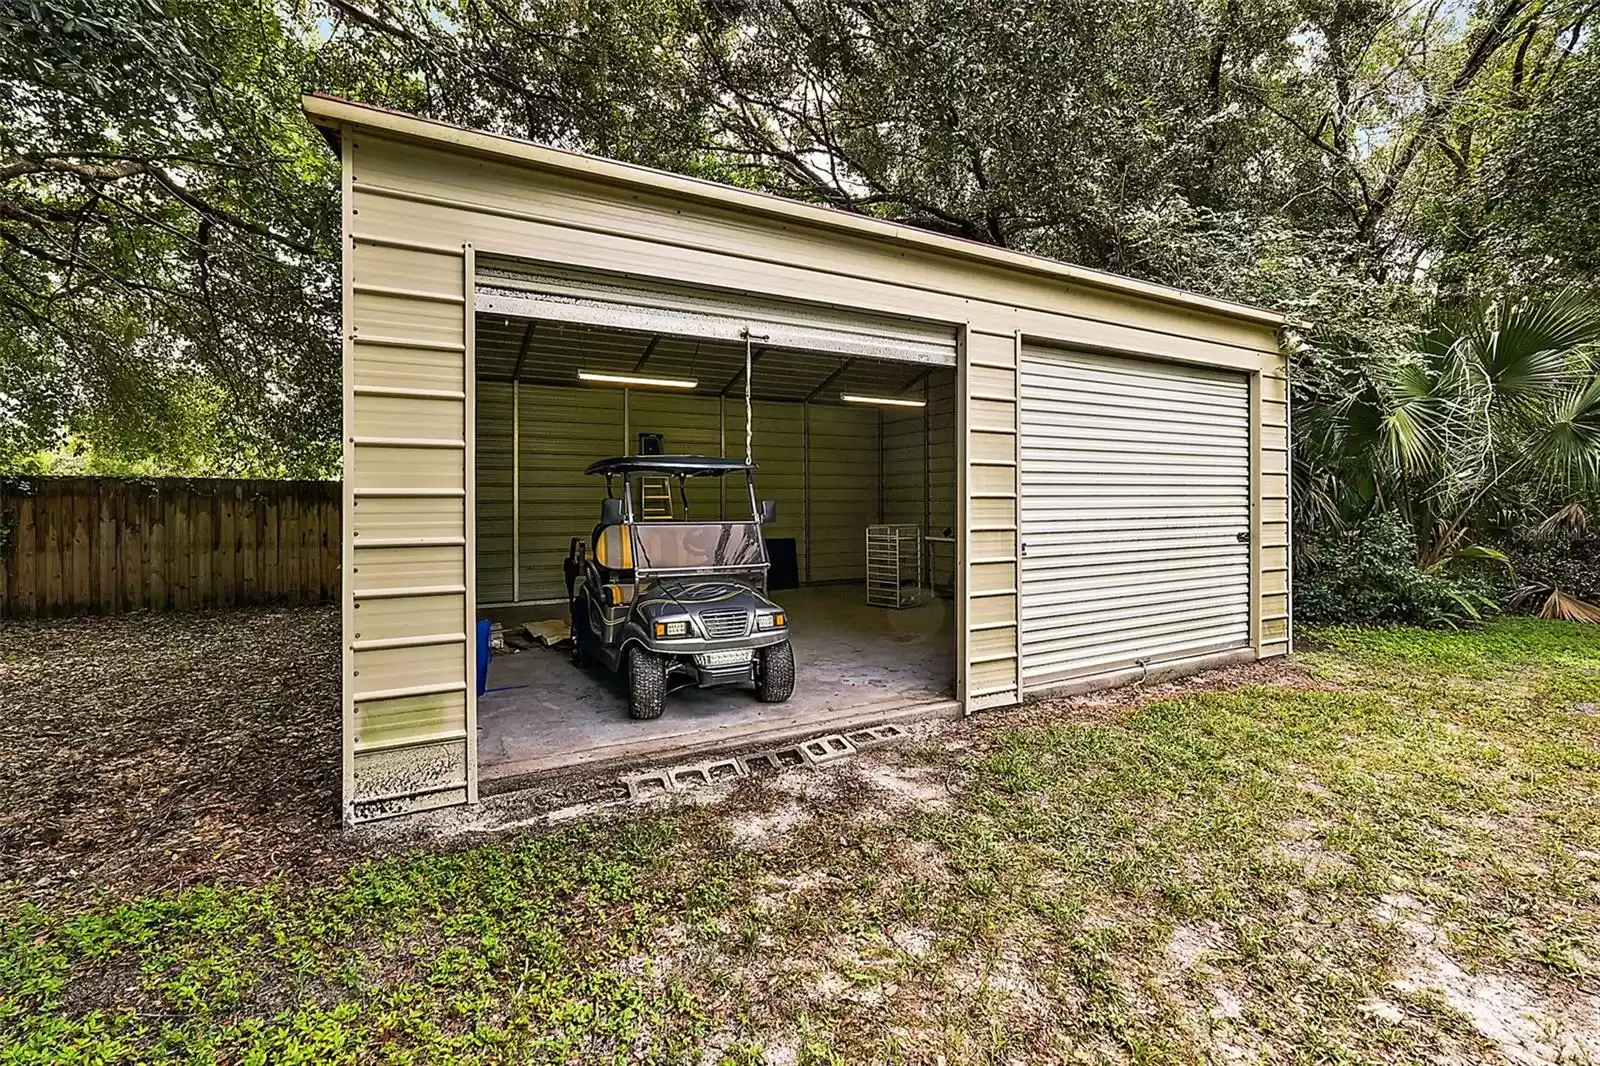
1413 429
1566 608
1573 516
1527 350
1566 444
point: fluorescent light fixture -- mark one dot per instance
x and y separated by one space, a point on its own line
634 379
883 401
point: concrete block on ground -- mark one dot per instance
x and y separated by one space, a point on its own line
648 786
831 748
872 736
684 778
768 763
724 769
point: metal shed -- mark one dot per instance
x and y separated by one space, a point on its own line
1110 457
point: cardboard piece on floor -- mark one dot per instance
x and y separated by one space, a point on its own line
551 632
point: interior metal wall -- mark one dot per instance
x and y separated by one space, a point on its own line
493 517
919 473
843 491
832 449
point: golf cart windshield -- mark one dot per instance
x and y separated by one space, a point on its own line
684 546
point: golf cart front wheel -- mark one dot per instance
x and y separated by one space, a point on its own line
647 684
775 673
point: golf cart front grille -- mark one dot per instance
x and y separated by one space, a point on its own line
725 625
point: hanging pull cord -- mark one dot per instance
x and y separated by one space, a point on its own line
749 362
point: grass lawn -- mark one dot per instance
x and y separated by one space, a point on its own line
1390 855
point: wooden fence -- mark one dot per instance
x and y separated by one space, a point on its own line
104 545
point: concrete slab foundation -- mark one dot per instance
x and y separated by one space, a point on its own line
855 665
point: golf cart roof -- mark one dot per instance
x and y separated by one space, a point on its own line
676 465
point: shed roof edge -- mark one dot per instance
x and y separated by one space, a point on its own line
329 113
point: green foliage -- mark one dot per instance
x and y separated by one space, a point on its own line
1368 575
1486 426
167 238
1559 558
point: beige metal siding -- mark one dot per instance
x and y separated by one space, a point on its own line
555 218
1136 482
408 477
1272 598
989 565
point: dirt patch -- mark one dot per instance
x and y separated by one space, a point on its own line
1528 1024
149 752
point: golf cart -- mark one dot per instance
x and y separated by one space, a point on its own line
676 601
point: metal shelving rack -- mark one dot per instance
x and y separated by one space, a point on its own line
894 566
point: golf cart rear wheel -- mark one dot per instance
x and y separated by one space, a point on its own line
647 684
775 673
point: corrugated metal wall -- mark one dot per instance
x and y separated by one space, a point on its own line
987 418
843 466
565 429
919 472
408 478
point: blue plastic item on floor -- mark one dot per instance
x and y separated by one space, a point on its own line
483 654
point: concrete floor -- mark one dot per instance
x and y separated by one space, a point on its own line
852 661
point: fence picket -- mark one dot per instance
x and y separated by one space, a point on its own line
111 544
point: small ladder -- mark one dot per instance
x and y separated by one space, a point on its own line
655 493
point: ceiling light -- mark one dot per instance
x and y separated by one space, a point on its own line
885 401
634 379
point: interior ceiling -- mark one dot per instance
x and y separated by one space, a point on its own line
555 352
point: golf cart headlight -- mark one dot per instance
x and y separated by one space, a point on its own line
770 621
672 629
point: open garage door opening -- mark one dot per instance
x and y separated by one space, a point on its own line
853 446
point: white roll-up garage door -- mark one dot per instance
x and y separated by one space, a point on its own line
1135 513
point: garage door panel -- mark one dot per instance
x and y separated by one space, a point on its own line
1175 637
1135 489
1089 424
1157 405
1098 629
1210 581
1116 455
1105 658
